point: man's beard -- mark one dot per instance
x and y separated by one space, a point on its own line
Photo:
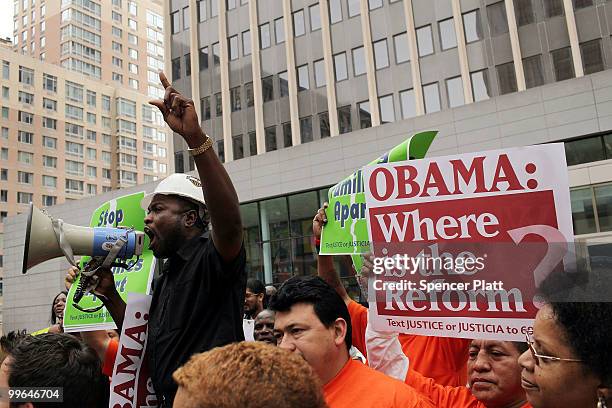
170 243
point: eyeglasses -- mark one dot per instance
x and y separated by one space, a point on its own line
537 356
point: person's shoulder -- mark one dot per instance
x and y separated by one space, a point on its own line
356 308
391 392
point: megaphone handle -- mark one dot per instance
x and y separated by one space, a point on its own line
58 228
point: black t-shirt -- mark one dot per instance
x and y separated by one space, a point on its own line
198 302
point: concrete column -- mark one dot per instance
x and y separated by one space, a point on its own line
225 94
330 78
368 49
516 46
462 51
296 138
572 31
414 58
256 65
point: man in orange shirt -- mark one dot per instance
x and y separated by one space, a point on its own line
313 322
493 370
441 358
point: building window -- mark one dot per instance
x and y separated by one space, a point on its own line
233 47
582 3
50 181
431 95
218 105
235 98
335 11
344 119
216 50
187 58
24 198
25 177
319 72
523 10
340 67
250 98
315 17
303 80
480 85
448 37
534 73
267 88
175 22
205 108
472 26
279 29
324 125
359 65
246 43
5 69
592 58
563 64
553 8
365 116
176 68
238 147
252 143
203 56
408 103
424 41
387 109
454 90
287 134
186 22
402 48
270 138
299 27
283 81
353 8
498 22
25 117
264 35
25 97
49 83
506 78
381 54
26 75
306 129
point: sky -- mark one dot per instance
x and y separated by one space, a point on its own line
6 18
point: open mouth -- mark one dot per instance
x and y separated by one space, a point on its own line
151 236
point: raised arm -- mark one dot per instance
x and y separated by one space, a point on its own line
325 264
221 199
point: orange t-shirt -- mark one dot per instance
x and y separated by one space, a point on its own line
109 357
445 396
359 386
443 359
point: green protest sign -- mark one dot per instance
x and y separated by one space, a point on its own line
119 212
346 231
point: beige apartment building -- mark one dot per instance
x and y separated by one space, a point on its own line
117 41
65 136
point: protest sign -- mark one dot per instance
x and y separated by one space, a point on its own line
346 232
462 243
131 385
122 211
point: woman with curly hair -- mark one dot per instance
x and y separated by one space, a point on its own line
569 363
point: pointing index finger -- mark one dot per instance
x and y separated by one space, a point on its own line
164 81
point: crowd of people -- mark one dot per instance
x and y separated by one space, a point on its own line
311 343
